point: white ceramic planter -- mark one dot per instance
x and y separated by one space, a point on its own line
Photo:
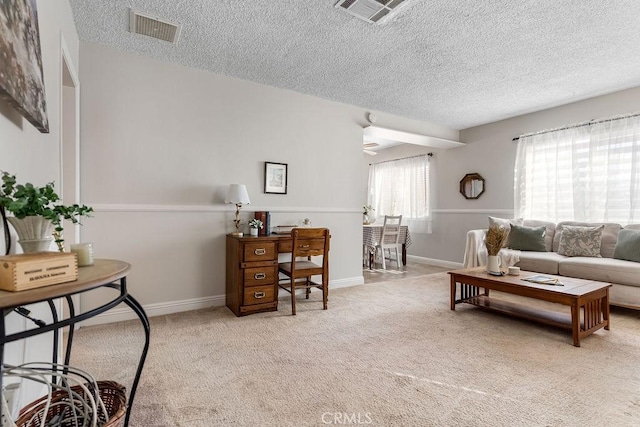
34 233
367 220
36 245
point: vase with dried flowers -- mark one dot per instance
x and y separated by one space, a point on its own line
494 241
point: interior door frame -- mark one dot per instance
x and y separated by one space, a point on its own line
69 146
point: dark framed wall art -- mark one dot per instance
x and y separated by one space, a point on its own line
275 178
22 78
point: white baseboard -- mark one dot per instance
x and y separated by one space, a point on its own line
435 262
122 312
345 283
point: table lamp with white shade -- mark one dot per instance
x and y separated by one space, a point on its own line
238 196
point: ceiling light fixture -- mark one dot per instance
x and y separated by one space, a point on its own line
371 118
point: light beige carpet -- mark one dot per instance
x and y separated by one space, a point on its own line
387 354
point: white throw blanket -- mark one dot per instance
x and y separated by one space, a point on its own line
475 252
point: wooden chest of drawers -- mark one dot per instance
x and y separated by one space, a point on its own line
252 274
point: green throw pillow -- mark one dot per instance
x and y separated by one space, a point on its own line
628 245
527 238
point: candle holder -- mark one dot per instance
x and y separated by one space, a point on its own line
84 252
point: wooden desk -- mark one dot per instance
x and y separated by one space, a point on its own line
252 272
104 273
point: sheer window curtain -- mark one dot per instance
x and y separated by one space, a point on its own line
401 187
589 172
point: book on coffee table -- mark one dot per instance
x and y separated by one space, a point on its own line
544 280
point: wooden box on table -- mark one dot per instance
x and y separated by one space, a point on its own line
29 271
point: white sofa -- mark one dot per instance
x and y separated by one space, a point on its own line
623 275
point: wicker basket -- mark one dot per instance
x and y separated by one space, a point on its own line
113 397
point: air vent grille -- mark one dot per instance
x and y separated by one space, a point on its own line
347 3
153 27
395 3
372 11
378 16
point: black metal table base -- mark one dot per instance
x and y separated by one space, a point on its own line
57 324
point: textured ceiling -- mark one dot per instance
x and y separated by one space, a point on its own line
457 63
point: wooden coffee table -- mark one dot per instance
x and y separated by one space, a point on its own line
588 299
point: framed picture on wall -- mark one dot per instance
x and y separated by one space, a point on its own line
275 178
22 79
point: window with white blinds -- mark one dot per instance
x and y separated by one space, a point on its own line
583 173
401 187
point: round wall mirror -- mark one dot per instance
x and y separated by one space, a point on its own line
472 186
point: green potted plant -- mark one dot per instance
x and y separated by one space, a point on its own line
37 214
255 224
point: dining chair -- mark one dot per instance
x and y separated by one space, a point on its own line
307 243
390 239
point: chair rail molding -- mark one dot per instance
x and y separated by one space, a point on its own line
107 207
473 211
214 208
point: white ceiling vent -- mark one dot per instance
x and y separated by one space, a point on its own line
153 27
372 11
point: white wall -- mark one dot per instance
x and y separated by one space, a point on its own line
29 154
160 145
34 156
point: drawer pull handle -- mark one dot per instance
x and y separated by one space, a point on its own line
259 294
259 276
260 251
304 246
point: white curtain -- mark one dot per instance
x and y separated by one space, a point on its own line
401 187
589 172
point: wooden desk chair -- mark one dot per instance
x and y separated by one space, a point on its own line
390 239
307 242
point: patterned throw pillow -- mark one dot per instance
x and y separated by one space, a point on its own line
580 241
